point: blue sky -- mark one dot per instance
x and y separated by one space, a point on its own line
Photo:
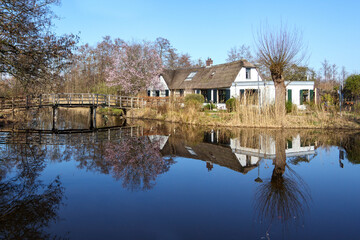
331 29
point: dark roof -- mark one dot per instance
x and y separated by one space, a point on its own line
216 154
217 76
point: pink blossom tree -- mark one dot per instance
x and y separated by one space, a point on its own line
137 161
136 66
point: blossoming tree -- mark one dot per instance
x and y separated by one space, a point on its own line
136 66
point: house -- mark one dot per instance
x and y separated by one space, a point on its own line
218 83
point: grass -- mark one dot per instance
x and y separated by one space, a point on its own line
249 116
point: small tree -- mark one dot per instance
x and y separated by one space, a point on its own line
352 85
277 50
135 67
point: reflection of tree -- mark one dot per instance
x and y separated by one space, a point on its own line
352 148
283 197
27 205
137 161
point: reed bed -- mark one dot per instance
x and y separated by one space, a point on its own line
245 115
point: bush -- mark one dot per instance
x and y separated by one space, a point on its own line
357 107
210 106
288 106
231 104
194 100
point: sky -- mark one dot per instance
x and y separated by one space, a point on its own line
330 29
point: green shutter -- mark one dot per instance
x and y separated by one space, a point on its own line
208 95
215 95
227 94
311 95
149 93
289 145
166 93
301 97
289 95
198 91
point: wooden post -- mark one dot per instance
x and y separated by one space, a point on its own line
138 104
12 107
131 102
92 117
120 101
109 101
82 99
54 115
40 98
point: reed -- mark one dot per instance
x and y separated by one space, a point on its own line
250 115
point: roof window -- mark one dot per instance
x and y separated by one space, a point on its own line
190 77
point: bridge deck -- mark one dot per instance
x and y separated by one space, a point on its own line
80 100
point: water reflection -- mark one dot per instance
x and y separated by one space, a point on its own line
27 204
283 197
136 155
137 161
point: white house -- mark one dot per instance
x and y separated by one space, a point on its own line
239 79
160 90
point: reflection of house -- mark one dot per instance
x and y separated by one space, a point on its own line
217 83
261 146
238 154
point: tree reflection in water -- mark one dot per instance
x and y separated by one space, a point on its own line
283 197
27 205
137 161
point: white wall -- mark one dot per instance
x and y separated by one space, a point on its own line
267 90
160 86
296 87
241 77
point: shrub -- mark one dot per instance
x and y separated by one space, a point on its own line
194 100
231 104
357 107
288 106
210 106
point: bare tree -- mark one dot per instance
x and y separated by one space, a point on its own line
278 49
326 70
343 74
238 53
29 51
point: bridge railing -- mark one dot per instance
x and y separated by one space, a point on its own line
81 99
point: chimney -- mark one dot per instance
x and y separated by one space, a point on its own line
209 62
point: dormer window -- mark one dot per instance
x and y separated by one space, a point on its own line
190 77
248 73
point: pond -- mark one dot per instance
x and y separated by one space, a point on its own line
151 180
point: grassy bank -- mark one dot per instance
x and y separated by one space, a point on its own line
247 116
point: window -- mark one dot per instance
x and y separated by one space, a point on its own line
190 77
248 73
224 95
206 94
249 96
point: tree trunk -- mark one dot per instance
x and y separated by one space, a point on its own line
280 158
280 94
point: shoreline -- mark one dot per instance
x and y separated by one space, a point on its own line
250 126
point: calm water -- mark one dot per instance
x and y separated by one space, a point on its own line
159 181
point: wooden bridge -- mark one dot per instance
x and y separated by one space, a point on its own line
73 100
79 100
